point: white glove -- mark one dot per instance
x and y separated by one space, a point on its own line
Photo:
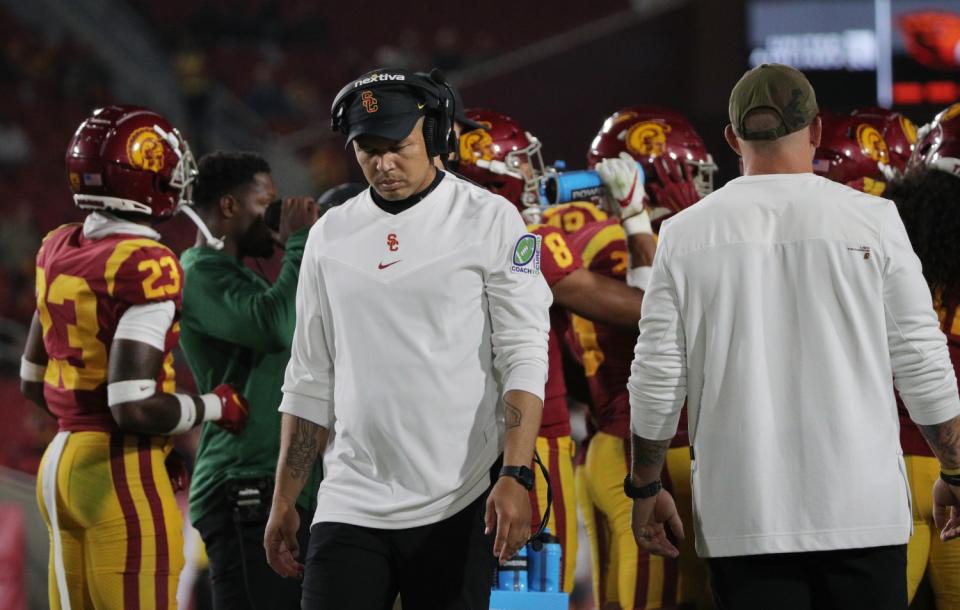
621 177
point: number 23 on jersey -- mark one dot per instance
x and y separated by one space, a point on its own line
78 322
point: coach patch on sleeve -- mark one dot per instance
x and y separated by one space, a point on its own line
526 255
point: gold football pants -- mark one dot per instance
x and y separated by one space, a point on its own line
926 553
623 575
557 455
116 538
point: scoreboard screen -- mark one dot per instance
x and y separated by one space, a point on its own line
903 54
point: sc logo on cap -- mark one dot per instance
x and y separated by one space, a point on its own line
369 102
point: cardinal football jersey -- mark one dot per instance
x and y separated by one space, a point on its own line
83 288
605 351
557 261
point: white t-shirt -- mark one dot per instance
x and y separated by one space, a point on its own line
410 327
782 306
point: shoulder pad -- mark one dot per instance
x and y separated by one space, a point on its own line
142 270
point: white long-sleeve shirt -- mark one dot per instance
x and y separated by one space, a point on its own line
410 327
782 306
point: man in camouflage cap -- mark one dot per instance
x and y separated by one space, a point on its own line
770 102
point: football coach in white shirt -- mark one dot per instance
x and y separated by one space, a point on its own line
781 307
418 364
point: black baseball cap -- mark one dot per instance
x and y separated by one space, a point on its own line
772 87
389 112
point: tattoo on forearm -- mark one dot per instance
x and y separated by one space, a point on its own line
513 415
648 453
302 452
944 439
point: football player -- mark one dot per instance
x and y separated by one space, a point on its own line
505 159
926 197
864 149
679 171
98 358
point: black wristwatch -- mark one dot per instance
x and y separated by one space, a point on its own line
950 479
647 491
522 474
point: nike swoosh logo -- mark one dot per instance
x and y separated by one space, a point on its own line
420 106
382 266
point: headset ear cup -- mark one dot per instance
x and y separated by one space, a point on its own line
430 135
338 110
442 135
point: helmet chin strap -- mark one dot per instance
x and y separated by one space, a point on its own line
213 242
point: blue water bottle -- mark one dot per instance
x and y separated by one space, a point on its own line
576 185
512 575
536 563
544 556
553 556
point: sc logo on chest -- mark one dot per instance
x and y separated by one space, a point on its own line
393 244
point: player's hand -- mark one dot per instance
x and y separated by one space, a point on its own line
621 177
651 517
177 470
946 509
296 213
676 191
234 408
280 539
508 513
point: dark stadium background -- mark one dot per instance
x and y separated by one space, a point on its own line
260 75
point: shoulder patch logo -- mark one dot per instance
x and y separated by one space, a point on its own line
526 255
524 250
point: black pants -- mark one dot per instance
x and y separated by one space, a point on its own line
241 578
851 579
443 566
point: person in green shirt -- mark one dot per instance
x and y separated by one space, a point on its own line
237 328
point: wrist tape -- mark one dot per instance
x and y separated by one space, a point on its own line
188 414
212 407
212 411
637 224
